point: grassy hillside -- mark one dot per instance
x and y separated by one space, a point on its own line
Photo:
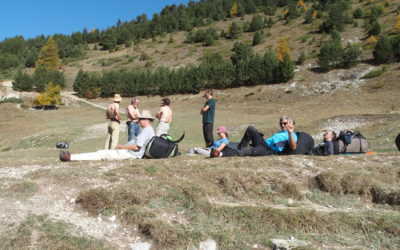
337 202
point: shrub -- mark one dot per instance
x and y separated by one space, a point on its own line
8 61
358 13
257 38
374 73
330 55
302 58
10 100
351 54
23 82
383 52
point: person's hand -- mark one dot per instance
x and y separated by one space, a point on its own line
119 146
289 127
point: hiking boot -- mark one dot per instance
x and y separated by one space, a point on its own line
62 145
65 156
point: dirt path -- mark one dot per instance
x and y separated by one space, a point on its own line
71 95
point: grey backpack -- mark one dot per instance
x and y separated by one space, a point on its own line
350 142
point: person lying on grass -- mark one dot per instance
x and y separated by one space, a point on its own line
133 150
217 145
254 143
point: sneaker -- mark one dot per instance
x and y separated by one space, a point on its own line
62 145
65 156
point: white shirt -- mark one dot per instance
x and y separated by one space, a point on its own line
141 141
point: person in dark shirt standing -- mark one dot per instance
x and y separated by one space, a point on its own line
208 114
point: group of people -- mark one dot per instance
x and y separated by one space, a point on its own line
139 127
133 114
140 132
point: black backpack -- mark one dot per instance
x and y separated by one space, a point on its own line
162 147
398 142
305 145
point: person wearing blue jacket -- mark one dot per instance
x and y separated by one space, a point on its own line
254 143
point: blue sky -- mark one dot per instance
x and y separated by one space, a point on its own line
31 18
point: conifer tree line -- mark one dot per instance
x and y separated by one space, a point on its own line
245 68
18 52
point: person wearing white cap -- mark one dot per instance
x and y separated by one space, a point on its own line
133 150
113 115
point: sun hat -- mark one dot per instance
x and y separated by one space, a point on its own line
222 129
117 98
146 115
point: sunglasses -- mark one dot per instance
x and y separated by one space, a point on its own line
284 123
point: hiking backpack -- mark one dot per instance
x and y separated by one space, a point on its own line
350 142
162 147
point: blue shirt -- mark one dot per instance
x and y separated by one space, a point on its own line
278 141
218 143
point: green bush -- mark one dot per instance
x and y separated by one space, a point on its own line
23 82
375 73
383 51
10 100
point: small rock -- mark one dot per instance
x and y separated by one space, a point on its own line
140 246
278 244
208 245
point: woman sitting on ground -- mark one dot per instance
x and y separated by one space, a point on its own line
217 145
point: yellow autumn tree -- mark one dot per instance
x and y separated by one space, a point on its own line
234 9
397 24
282 49
301 4
314 14
48 56
371 40
51 96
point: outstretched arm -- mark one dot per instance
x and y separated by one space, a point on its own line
129 147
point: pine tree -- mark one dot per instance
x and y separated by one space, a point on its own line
383 52
285 69
257 38
375 29
234 31
257 23
330 55
48 57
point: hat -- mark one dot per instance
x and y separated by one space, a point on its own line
222 129
117 98
146 115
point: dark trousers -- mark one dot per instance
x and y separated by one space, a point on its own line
208 133
252 144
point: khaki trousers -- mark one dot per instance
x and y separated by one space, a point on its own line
112 135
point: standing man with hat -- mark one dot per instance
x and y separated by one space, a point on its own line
133 119
133 150
208 114
112 114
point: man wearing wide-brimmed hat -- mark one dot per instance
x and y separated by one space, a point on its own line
112 114
133 150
